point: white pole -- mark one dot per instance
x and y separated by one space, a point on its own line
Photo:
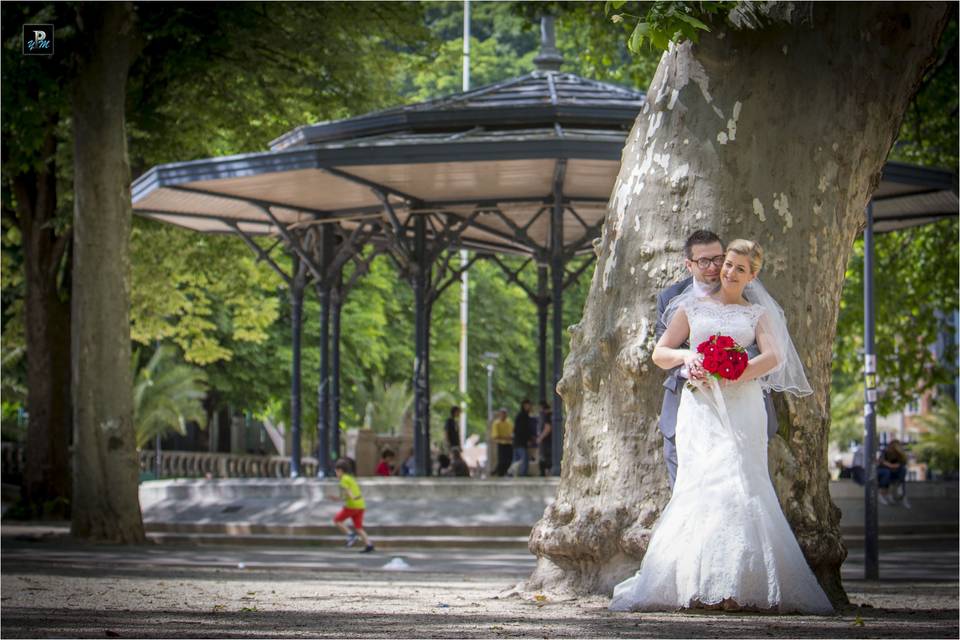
464 258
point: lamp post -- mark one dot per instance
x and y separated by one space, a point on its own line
491 358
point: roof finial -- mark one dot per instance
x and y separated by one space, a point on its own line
549 58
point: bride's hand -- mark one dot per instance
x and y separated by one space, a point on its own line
692 361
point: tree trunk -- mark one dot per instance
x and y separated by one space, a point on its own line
105 469
47 320
776 133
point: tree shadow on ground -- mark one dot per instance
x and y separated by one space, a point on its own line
555 621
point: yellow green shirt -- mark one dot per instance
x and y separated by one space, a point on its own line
348 486
502 431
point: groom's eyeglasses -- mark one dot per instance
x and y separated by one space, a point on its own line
704 263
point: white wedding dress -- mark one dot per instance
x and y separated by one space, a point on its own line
722 535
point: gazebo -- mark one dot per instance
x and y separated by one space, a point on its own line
523 167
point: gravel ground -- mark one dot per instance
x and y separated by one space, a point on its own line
59 591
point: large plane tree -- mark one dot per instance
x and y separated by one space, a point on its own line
774 126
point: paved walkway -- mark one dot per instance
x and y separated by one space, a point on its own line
56 588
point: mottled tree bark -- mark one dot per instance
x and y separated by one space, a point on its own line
105 469
776 132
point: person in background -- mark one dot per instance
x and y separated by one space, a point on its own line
501 432
451 429
408 468
545 440
458 466
524 428
385 468
892 470
443 465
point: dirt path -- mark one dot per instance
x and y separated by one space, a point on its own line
177 602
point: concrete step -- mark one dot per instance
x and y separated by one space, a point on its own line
382 542
472 530
388 541
905 528
413 530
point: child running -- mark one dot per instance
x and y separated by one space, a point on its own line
353 506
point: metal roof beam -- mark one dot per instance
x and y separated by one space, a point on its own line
261 254
513 276
572 278
382 188
494 232
294 244
147 213
257 202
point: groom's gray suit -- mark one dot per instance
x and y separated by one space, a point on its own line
673 387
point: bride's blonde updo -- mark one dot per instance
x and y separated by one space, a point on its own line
751 250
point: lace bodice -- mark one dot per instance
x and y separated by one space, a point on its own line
707 318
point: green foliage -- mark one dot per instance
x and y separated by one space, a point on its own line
939 447
846 415
387 406
13 384
252 71
916 285
929 132
197 290
664 21
166 395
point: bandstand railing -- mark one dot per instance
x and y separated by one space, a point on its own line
198 464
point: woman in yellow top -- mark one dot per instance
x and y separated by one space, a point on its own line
502 435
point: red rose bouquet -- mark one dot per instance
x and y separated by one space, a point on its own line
723 358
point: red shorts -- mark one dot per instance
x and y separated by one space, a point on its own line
354 514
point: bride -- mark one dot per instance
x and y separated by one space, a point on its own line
722 540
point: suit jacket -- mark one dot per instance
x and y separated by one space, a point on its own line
674 384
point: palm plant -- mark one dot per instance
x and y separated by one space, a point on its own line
166 395
940 446
390 406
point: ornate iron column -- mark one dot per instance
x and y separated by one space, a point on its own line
543 304
557 273
297 286
323 286
336 298
421 398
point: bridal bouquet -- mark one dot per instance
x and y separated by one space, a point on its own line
723 358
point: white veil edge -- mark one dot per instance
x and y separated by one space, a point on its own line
788 375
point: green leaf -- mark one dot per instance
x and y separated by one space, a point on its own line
641 31
692 21
659 39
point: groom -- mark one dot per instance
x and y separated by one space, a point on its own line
704 255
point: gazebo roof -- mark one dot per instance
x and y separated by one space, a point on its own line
506 149
540 98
